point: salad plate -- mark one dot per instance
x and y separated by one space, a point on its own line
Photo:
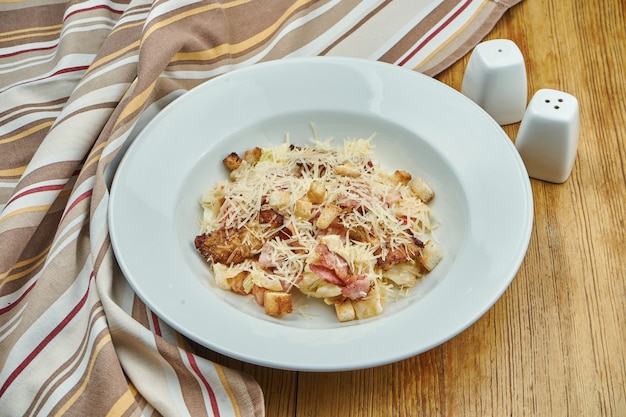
483 205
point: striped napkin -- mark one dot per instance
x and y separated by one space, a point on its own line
78 80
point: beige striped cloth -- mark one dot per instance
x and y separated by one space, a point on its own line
78 80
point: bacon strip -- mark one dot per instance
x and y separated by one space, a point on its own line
357 288
326 274
333 261
334 269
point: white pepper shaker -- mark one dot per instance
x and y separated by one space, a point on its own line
547 139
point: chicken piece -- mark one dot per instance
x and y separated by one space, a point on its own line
274 221
399 254
227 246
272 218
232 161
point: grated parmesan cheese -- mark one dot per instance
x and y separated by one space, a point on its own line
375 215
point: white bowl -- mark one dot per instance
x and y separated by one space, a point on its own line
483 201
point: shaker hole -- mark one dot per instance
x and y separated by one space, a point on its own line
556 107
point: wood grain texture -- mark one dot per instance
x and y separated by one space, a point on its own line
554 344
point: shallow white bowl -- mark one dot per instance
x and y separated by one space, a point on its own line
483 201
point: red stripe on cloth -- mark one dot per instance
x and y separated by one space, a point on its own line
88 9
42 345
155 323
75 202
69 69
36 190
196 368
436 32
25 51
61 71
16 302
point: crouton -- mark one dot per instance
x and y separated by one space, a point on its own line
303 209
277 304
345 310
430 255
422 190
328 214
316 192
253 155
401 177
232 161
348 170
279 199
369 306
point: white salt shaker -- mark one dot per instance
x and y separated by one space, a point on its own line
547 139
495 79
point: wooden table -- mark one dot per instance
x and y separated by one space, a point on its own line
555 343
